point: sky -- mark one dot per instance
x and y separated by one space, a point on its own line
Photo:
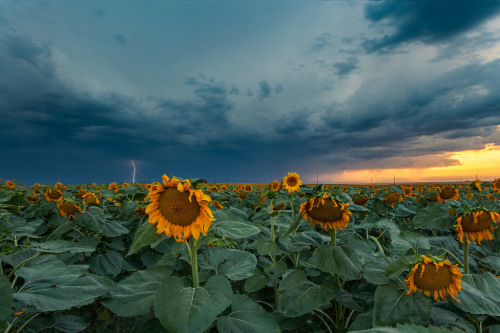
247 91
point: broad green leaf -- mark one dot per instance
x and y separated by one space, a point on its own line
492 262
442 317
342 260
153 325
114 229
255 282
235 229
405 240
374 271
5 300
60 246
191 310
399 266
265 246
434 217
69 324
247 316
408 329
134 295
92 219
234 264
392 306
480 294
12 198
107 264
53 286
298 295
145 235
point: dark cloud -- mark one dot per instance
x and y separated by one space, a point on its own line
428 21
323 41
344 68
120 39
264 90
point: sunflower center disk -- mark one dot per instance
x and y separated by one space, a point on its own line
54 194
447 193
327 212
176 208
292 181
484 221
392 198
69 208
434 278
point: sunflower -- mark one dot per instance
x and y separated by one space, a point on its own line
33 199
60 186
275 185
214 189
393 197
242 195
114 201
124 185
113 187
437 277
140 211
10 184
477 185
68 208
223 188
361 200
279 207
496 185
326 212
90 198
262 198
179 211
476 225
217 205
292 182
53 195
447 193
248 188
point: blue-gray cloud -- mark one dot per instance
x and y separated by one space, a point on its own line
120 39
428 21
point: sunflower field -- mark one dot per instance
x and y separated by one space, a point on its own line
187 256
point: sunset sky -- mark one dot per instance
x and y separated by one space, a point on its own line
346 91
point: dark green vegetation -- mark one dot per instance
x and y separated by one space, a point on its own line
260 270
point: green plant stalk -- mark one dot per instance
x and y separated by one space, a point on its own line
27 322
380 248
21 264
466 257
339 318
273 259
333 236
193 254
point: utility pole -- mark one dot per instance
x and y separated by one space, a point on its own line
317 182
394 179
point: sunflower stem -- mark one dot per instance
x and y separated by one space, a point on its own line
21 264
466 257
293 213
380 248
333 236
193 254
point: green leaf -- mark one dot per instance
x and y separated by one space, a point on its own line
442 317
145 235
393 306
53 286
408 329
247 316
234 264
235 229
399 266
492 262
374 271
69 324
134 295
153 325
107 264
191 310
434 217
92 219
5 300
480 294
255 282
406 240
114 229
298 295
265 246
341 260
60 246
12 198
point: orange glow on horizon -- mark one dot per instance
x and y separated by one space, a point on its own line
485 163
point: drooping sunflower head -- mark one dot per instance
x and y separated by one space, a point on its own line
447 193
223 188
476 225
217 205
53 195
275 185
68 208
292 182
496 185
477 185
33 198
124 185
113 187
242 195
262 198
179 211
248 188
325 211
214 189
437 277
10 184
393 197
60 186
279 207
361 200
89 198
